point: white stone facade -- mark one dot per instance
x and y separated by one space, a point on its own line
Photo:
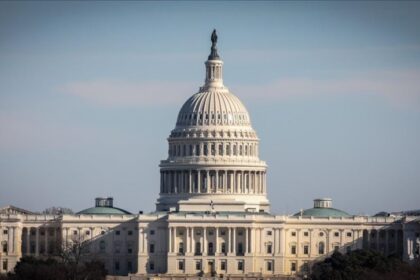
212 215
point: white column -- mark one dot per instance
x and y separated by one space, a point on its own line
229 248
225 175
276 241
282 243
189 181
253 240
234 241
46 240
175 241
28 240
216 187
199 181
246 240
170 240
205 240
217 241
37 241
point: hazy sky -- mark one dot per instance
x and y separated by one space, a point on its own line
90 91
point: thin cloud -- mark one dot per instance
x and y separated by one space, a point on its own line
399 88
119 93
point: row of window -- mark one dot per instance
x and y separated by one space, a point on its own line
206 118
336 233
240 265
211 149
213 134
321 249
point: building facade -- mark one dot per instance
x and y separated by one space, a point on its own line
212 215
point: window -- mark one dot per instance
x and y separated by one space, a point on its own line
191 150
210 248
213 149
240 233
336 234
293 250
181 247
130 232
5 231
151 265
103 232
293 267
129 250
5 266
4 246
222 233
321 234
348 234
151 248
117 265
87 232
240 248
211 232
269 248
197 248
223 265
152 232
75 232
306 249
305 233
197 265
240 265
130 266
221 149
269 265
117 232
223 249
197 150
269 233
321 248
102 246
293 233
181 265
205 150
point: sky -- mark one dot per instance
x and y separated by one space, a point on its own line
89 92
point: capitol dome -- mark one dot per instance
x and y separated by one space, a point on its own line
213 156
213 108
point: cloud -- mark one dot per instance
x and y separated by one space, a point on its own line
401 88
120 93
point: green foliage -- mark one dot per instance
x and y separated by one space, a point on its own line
31 268
363 265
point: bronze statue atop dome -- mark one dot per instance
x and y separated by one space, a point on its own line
213 54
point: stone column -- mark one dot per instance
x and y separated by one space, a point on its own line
170 240
217 241
225 181
199 181
216 187
252 241
282 243
229 248
208 182
254 187
175 241
276 241
246 240
205 240
37 241
189 181
234 241
46 240
28 241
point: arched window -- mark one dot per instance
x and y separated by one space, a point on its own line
197 150
228 149
221 149
181 247
321 248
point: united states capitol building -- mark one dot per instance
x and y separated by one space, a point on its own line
212 215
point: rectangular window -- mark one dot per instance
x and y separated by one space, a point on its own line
269 265
293 250
5 231
223 265
117 265
4 246
130 232
181 265
306 249
117 232
5 266
336 234
197 265
87 232
269 248
348 234
223 248
151 248
152 232
293 233
240 265
293 267
129 250
129 266
306 233
197 150
152 266
75 232
269 233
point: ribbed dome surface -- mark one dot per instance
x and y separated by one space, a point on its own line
213 108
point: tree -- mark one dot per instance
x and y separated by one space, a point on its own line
363 265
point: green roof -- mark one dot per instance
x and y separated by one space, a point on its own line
103 211
323 212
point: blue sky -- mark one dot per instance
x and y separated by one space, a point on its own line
90 91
